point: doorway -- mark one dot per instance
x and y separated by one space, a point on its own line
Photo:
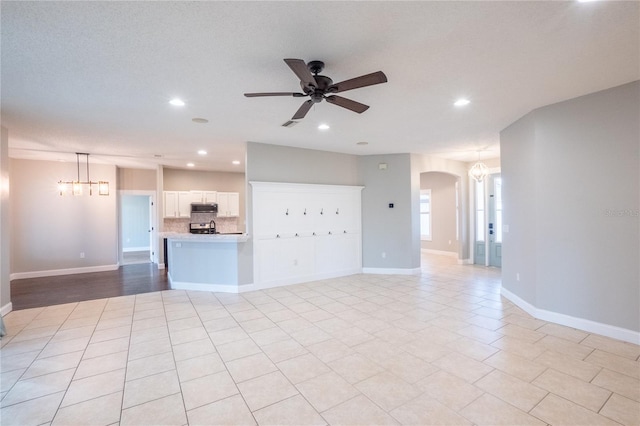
136 242
439 213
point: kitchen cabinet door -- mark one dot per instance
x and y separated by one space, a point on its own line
170 204
184 204
210 197
228 204
197 196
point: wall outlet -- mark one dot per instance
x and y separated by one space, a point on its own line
518 276
81 255
449 242
384 255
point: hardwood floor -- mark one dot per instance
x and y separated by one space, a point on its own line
128 279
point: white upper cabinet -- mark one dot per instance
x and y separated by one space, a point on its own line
209 197
177 203
228 204
204 196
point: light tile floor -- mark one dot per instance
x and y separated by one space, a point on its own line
439 348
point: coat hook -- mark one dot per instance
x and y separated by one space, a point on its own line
287 213
322 211
337 211
305 212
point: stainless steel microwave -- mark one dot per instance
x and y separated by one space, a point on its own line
204 208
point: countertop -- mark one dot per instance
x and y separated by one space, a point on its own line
211 238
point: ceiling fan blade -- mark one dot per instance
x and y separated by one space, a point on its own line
255 95
299 67
303 110
355 83
347 103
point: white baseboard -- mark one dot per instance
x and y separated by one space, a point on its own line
567 320
465 262
128 249
440 252
392 271
56 272
6 309
280 282
216 288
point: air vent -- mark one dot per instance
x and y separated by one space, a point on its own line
290 123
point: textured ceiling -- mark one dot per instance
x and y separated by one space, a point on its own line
97 76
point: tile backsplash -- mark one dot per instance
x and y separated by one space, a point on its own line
223 224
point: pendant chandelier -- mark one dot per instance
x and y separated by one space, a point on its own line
76 186
479 170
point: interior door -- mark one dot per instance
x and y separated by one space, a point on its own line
495 220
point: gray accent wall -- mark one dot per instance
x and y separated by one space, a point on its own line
387 232
571 192
5 221
49 231
275 163
443 211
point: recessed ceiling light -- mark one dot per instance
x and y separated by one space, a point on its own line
202 152
176 102
200 120
362 143
190 165
235 162
462 102
323 126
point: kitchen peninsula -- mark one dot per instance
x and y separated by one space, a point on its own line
206 262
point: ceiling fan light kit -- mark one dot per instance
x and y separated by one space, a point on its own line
318 87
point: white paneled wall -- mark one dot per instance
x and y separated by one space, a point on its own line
304 232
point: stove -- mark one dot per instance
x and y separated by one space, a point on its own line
202 228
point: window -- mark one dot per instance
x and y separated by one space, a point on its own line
425 214
480 211
497 191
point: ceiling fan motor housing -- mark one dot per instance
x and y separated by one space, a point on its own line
317 93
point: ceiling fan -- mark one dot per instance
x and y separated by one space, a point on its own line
319 87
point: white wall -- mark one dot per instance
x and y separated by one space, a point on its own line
571 185
50 231
5 224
